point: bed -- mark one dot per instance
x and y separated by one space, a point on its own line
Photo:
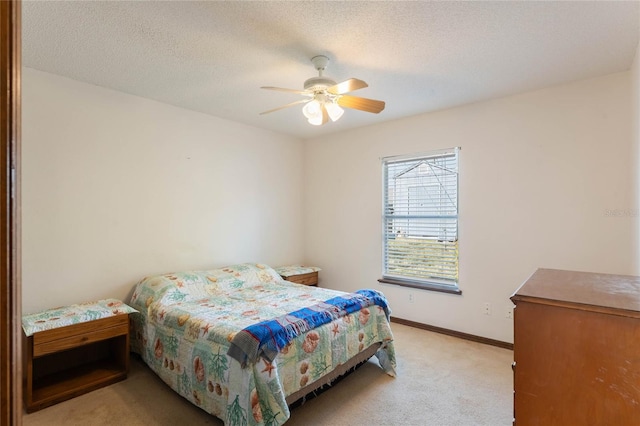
243 344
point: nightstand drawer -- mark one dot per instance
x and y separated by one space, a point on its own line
51 341
307 279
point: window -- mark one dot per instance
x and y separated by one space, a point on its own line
420 220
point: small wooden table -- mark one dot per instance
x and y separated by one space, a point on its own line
307 275
62 360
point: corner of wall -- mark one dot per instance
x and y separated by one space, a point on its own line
635 140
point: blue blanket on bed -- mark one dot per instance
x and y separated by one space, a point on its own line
265 339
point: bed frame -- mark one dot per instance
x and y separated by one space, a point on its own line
332 376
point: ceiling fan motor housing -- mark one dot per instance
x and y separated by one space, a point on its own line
318 83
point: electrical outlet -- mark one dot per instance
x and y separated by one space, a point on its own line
410 297
510 313
486 308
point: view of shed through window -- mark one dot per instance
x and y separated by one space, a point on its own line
420 220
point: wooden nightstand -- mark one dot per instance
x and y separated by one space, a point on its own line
66 361
307 275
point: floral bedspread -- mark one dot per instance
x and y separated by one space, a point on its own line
187 321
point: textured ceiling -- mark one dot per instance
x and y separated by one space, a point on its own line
213 57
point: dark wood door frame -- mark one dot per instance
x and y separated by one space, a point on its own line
10 299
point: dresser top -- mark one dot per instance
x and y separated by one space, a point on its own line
583 288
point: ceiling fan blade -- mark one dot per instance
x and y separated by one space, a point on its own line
325 115
301 101
300 92
363 104
347 86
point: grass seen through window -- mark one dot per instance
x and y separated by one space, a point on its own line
422 257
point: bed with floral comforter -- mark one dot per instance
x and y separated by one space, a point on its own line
239 341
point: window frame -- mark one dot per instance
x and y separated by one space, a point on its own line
430 283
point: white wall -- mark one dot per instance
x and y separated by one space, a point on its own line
538 173
115 187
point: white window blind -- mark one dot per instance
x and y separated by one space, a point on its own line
420 218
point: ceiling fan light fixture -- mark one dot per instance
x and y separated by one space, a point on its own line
316 121
312 110
334 110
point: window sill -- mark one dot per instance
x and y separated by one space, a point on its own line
442 288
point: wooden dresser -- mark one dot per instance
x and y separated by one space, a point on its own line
577 349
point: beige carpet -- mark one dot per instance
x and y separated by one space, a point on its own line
441 381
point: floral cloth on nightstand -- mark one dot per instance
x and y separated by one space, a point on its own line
73 314
288 271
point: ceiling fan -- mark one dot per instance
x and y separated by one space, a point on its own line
325 99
